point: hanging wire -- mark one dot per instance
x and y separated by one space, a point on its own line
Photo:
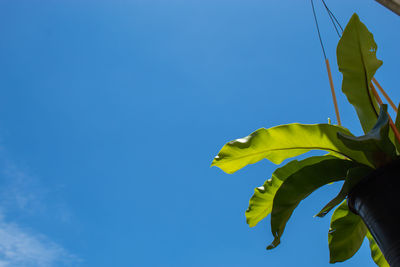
328 68
333 19
319 34
336 23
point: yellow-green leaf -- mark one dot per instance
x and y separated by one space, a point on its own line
346 234
300 185
376 253
356 56
282 142
260 204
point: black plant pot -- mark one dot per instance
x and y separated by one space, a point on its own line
376 199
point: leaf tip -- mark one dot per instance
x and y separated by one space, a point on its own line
320 215
355 16
215 160
216 163
274 243
324 211
270 247
333 260
250 222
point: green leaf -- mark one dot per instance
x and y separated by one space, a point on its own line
301 184
376 143
282 142
346 234
260 204
356 56
353 177
376 253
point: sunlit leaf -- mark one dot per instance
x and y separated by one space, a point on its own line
301 184
285 141
260 205
376 143
353 177
346 234
376 253
356 56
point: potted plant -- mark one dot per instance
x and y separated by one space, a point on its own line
368 165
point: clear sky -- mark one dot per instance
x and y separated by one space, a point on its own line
112 111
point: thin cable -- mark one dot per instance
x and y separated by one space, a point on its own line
333 22
319 34
333 15
328 69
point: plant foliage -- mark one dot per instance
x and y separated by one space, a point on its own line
356 57
349 158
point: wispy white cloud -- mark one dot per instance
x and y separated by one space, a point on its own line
19 190
22 247
22 194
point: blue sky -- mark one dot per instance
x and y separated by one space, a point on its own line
111 112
